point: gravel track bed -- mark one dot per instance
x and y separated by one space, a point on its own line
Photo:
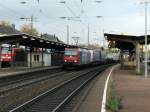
53 98
6 81
30 81
76 101
12 99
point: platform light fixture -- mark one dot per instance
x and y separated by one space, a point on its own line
41 40
47 42
32 39
25 37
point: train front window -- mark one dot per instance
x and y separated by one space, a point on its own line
71 52
6 51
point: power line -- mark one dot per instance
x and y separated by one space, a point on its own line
11 10
47 17
74 14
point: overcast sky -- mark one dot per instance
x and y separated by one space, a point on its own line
118 16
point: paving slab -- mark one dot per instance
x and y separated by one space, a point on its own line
133 89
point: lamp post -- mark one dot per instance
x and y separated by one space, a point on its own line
99 17
89 31
69 18
145 39
31 19
146 48
88 35
98 39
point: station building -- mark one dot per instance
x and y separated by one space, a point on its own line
30 51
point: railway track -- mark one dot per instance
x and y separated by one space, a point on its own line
4 81
54 99
18 96
11 83
8 84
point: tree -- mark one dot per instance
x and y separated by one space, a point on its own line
94 46
26 28
5 23
91 46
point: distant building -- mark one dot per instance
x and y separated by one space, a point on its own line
51 38
8 30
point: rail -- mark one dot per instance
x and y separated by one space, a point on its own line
55 98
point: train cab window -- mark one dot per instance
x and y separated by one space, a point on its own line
6 51
71 52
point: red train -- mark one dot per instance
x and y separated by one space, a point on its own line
8 56
76 56
81 56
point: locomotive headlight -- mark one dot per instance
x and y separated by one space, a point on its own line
2 56
75 61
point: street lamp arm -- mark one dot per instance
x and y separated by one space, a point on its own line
62 17
144 2
62 2
98 1
99 16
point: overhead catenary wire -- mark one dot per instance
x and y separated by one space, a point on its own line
53 19
40 11
12 11
74 14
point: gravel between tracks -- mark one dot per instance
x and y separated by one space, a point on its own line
89 99
49 100
20 95
12 99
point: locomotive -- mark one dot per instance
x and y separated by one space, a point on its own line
8 56
83 56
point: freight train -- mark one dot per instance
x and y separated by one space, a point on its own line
82 56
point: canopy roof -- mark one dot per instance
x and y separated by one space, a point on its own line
31 41
126 42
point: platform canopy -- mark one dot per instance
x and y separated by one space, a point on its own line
32 41
125 42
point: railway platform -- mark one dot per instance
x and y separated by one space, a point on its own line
91 99
5 72
134 90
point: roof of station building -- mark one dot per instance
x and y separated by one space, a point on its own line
32 41
126 42
127 38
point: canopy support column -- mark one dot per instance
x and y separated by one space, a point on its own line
30 57
42 57
12 56
121 58
138 68
0 56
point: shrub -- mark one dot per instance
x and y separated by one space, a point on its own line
114 102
